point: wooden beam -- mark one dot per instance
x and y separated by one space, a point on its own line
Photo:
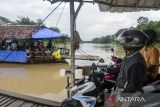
136 3
78 9
116 2
129 6
144 2
125 3
157 3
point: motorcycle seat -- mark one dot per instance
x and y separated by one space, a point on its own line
156 81
151 88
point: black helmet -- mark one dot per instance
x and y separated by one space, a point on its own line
152 35
133 39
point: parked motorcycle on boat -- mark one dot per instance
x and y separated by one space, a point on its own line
150 95
100 77
88 85
93 85
85 90
90 100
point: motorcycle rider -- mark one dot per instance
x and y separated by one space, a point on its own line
151 55
133 67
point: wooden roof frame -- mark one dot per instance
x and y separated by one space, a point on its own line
136 5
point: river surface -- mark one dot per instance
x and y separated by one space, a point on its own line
48 80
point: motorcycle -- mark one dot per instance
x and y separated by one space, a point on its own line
93 85
101 77
111 74
150 98
90 100
85 90
88 85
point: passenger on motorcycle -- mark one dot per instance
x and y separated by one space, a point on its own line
151 55
133 67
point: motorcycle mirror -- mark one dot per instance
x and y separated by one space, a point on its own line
94 67
112 49
101 60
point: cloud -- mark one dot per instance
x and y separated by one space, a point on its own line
91 22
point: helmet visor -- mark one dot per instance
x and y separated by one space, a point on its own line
132 39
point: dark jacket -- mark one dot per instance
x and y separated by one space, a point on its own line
132 73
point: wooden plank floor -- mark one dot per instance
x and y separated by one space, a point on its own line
10 99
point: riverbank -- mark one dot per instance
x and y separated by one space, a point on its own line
115 43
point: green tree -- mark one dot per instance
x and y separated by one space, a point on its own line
103 39
120 31
142 20
25 21
55 29
151 25
39 21
143 24
96 40
5 21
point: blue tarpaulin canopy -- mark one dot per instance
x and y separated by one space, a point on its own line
43 33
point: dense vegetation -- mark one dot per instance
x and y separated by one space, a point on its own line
24 21
146 24
104 39
143 24
20 21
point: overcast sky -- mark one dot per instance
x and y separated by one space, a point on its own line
91 22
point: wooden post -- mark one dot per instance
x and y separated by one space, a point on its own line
72 20
68 94
73 16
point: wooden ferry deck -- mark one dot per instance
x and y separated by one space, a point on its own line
10 99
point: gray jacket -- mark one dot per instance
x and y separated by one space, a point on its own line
132 73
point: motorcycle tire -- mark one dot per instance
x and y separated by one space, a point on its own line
70 102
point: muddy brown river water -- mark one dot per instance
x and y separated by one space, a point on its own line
47 80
